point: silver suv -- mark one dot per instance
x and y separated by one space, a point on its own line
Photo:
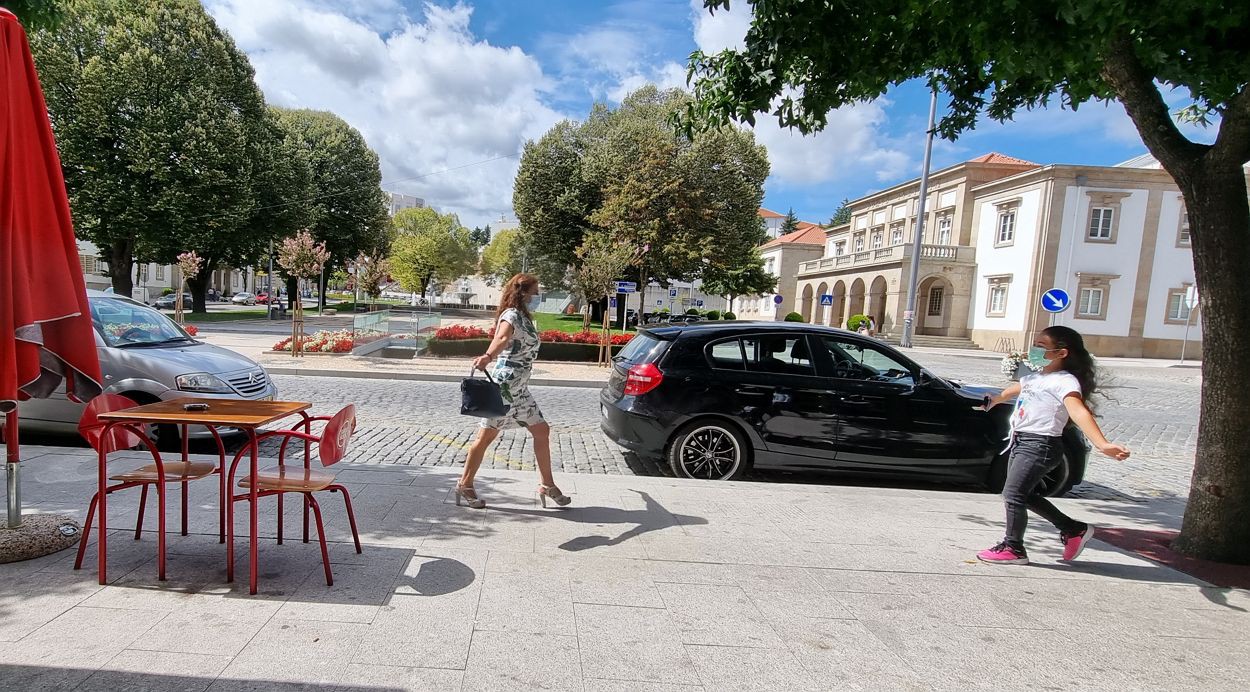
146 356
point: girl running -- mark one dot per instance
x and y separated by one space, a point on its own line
1045 402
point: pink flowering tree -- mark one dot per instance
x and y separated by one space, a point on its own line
189 265
302 258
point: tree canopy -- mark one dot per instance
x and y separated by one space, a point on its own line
623 171
802 59
430 248
790 223
842 214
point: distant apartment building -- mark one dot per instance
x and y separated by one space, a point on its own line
401 201
772 222
999 232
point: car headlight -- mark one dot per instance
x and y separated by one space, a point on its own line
202 382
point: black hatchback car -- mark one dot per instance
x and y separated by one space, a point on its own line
713 400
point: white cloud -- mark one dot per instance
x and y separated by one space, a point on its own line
425 93
852 146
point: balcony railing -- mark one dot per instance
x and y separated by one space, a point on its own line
894 253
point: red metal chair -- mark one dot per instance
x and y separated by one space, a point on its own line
124 436
286 478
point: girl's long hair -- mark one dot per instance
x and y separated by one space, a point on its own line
1078 362
514 295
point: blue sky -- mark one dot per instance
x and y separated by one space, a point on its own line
437 88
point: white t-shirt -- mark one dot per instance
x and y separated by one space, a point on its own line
1039 408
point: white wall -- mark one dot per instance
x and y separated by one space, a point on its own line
1173 267
1015 259
1120 257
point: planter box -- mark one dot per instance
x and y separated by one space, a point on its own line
308 353
582 353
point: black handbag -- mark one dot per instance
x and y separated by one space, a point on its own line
481 398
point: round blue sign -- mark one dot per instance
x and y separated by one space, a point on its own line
778 300
1056 300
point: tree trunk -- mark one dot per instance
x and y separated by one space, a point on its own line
1217 518
199 285
121 262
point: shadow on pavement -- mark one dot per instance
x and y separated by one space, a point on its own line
644 520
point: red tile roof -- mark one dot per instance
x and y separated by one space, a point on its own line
811 234
770 214
995 157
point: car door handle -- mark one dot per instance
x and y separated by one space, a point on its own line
855 400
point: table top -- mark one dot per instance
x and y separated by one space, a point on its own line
239 413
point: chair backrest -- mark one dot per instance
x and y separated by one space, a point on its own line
335 437
92 428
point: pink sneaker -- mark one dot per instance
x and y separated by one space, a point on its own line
1003 554
1075 543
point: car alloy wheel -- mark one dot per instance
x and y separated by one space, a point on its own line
709 452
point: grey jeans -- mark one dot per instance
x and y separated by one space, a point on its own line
1032 457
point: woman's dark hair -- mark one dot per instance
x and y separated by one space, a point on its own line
514 294
1078 362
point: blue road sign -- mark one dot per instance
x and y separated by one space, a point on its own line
626 286
672 293
826 299
778 300
612 302
659 301
1056 300
698 303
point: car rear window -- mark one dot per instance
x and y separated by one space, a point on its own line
643 348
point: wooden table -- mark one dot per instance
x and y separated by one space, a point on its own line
242 414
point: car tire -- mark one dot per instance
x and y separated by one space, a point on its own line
1056 483
709 449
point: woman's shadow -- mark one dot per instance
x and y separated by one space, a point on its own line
652 518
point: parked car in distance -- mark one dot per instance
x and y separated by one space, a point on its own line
166 302
147 357
243 298
713 400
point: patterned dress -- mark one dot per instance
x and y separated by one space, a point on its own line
512 372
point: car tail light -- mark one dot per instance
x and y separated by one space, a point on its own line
642 378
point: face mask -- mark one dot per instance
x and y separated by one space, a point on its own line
534 302
1037 357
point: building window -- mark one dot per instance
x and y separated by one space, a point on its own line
935 301
896 235
839 248
944 230
234 279
1182 233
1090 304
160 272
996 304
143 273
1006 227
1178 310
90 264
878 239
1100 223
859 242
768 266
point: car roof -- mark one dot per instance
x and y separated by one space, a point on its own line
716 328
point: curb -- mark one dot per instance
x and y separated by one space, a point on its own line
419 377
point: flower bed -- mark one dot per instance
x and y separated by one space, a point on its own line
459 332
339 341
550 351
191 329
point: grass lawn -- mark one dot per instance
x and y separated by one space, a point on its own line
566 323
205 318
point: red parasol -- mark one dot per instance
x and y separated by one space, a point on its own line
45 334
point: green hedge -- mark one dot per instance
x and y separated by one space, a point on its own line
794 317
712 315
729 316
586 353
854 322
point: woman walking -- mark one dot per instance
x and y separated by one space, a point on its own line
513 349
1045 402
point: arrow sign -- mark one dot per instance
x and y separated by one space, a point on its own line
1056 300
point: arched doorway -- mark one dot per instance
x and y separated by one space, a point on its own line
821 312
856 305
876 302
805 307
933 306
839 305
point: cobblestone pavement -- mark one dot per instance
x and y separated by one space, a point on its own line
1152 410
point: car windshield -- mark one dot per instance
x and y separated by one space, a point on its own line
126 323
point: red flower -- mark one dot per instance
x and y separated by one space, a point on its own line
460 332
191 329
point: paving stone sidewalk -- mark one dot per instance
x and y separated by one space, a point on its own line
644 583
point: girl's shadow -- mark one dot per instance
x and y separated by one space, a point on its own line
652 518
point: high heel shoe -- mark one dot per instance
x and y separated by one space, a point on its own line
470 497
551 491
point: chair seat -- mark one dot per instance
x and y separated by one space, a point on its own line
175 472
290 479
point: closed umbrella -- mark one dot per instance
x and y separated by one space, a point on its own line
45 322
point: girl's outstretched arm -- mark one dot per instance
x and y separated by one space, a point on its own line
1011 392
1084 420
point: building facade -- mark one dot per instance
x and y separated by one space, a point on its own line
399 201
782 257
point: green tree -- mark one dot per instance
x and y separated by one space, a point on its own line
842 214
36 14
430 248
601 261
480 236
790 224
746 278
161 131
347 204
503 257
990 61
624 171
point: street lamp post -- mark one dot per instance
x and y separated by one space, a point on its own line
912 285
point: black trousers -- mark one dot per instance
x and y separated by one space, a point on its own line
1032 457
